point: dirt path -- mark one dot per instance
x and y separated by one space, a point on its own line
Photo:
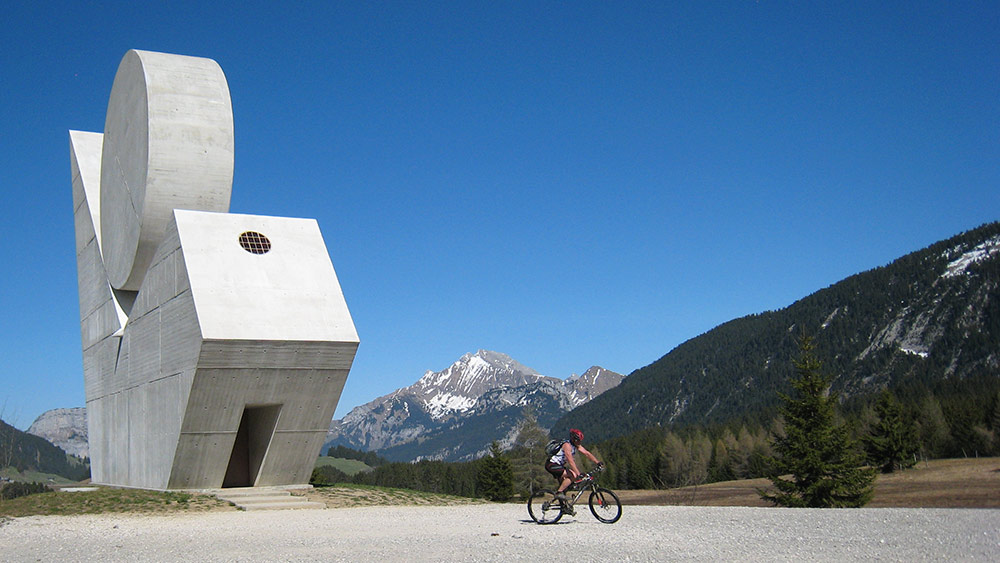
503 532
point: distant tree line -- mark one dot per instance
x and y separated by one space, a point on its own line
895 429
891 430
371 459
26 452
11 491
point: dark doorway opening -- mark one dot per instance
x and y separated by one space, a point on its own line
252 439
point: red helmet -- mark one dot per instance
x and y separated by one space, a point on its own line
575 436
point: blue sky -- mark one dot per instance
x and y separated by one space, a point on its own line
570 183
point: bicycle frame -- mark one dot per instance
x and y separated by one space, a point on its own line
604 503
587 483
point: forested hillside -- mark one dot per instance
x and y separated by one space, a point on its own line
926 328
927 325
25 452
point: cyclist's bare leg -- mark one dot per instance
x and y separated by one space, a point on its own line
565 482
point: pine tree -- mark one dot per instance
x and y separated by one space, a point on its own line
528 456
495 478
824 463
892 440
933 428
994 422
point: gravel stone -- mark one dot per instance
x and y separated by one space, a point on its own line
506 533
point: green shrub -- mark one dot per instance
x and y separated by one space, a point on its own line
14 490
328 475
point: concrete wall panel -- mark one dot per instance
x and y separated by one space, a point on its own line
114 439
179 337
291 292
85 168
93 289
83 228
278 354
291 458
216 401
93 326
201 460
96 441
99 368
155 412
99 325
219 395
144 349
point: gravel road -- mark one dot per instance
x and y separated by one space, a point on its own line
504 533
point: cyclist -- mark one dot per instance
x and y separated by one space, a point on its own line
562 466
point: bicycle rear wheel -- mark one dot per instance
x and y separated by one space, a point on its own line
605 506
544 508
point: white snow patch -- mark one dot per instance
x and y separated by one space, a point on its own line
913 351
477 364
979 253
445 403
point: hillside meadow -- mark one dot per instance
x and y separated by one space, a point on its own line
946 483
941 483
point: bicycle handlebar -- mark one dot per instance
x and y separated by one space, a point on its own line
589 476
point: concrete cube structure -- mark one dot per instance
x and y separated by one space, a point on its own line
215 345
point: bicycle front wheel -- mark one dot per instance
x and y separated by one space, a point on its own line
605 506
544 508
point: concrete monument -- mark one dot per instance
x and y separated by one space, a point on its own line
215 345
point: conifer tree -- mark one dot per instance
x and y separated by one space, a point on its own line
495 478
528 456
932 428
994 422
825 466
892 441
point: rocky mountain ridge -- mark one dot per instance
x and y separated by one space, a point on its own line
66 428
434 417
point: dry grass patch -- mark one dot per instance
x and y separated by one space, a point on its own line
941 483
108 499
345 495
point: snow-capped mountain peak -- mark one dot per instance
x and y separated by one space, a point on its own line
477 383
457 388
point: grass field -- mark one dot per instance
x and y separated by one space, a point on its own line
348 466
34 476
136 501
107 499
942 483
945 483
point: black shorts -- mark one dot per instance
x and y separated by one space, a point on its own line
555 469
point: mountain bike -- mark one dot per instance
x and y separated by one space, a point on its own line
545 508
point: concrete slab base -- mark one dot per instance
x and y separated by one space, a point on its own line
264 498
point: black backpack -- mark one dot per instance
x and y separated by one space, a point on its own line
553 447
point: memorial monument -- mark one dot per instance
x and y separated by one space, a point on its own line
215 345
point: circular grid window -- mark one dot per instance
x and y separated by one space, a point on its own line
254 242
